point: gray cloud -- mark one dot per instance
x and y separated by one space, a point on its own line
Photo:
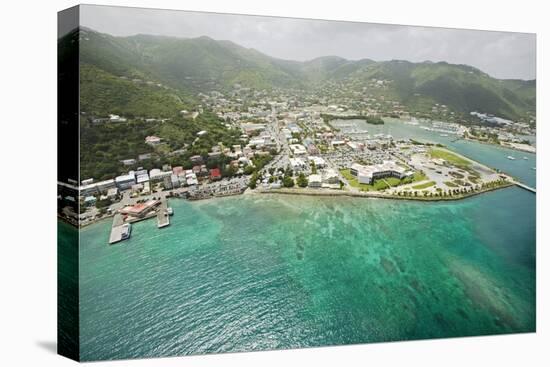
500 54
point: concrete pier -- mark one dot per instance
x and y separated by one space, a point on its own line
116 229
525 187
163 219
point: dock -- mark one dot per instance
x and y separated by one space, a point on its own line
525 187
121 228
163 219
116 229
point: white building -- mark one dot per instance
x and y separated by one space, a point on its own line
157 175
191 179
367 174
125 182
298 149
112 193
315 181
336 143
141 178
116 118
175 181
330 176
152 140
257 142
128 162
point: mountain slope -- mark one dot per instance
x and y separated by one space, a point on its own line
204 64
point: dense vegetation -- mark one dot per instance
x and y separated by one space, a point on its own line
102 93
104 146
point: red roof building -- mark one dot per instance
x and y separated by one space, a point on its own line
215 174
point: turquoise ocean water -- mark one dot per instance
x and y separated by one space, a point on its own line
259 272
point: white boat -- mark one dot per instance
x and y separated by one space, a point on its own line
525 158
170 211
534 168
126 231
511 158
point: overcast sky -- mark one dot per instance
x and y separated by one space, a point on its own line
500 54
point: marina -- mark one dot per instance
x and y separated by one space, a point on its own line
121 228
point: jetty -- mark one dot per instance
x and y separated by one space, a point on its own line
119 230
525 187
163 218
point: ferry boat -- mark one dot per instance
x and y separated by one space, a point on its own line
126 231
511 158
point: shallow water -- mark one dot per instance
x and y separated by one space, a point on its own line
260 272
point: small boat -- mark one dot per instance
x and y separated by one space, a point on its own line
443 135
126 231
511 158
525 158
534 168
170 211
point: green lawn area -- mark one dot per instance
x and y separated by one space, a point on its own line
450 184
424 185
416 177
454 159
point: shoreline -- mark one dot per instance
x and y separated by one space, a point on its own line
461 137
373 195
323 193
500 145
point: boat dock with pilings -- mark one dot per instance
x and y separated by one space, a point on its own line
121 228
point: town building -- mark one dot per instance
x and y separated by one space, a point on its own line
152 140
298 149
175 181
297 164
141 209
142 177
90 200
125 182
315 181
128 162
215 174
367 174
112 193
330 176
167 182
156 175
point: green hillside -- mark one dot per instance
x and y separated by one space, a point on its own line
462 88
186 64
153 77
204 64
102 93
